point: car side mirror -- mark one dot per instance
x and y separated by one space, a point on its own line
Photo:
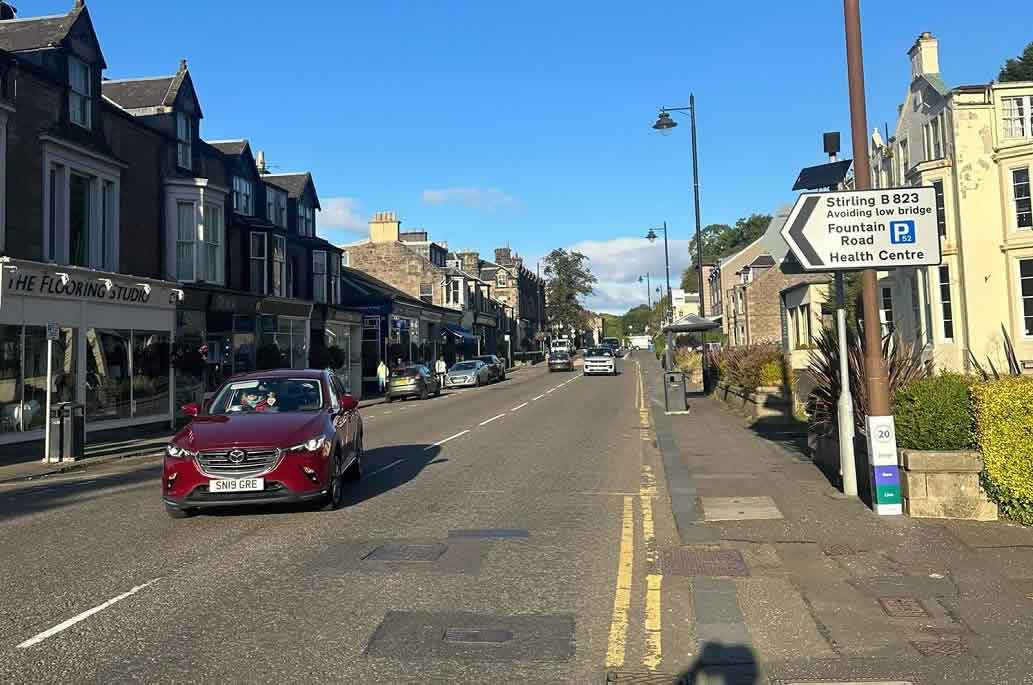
191 409
349 403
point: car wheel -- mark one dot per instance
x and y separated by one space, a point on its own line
354 471
389 399
424 394
335 488
437 393
177 513
478 383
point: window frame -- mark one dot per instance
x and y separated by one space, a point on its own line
319 295
1024 118
941 207
243 196
214 268
276 214
1015 198
74 93
306 220
184 141
429 295
946 302
263 259
1027 332
279 266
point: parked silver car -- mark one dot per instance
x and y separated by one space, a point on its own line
466 374
496 365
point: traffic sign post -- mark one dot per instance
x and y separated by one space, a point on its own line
864 229
53 333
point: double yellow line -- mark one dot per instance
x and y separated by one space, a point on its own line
616 652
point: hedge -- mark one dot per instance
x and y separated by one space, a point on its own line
934 414
1004 431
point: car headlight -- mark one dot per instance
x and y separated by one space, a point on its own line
178 452
311 445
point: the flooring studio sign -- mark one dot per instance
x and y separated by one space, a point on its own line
53 285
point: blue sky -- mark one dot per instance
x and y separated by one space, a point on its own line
528 123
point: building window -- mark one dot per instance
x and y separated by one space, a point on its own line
1017 117
941 208
427 292
345 259
945 302
276 206
243 196
452 297
886 311
1026 294
79 101
258 256
279 264
79 220
500 279
213 243
306 220
80 212
186 232
184 137
319 276
292 268
1020 191
335 279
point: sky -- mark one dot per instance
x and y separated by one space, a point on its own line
528 124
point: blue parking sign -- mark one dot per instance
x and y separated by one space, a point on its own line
902 232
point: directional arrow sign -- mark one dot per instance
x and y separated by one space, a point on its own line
864 229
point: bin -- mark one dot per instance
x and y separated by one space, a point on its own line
73 431
55 425
674 391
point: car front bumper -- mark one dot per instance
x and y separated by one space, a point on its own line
591 368
452 383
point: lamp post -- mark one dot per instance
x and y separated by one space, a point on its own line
665 124
651 237
649 290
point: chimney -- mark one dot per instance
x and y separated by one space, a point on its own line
925 56
384 227
260 162
503 255
182 65
79 4
471 261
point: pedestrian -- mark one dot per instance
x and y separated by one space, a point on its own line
382 376
441 368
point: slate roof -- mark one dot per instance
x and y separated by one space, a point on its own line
228 147
294 184
763 260
138 93
35 32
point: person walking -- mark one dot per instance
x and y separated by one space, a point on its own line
382 376
441 368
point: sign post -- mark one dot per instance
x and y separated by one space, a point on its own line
53 333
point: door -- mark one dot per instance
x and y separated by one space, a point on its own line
347 420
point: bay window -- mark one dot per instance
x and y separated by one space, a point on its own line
184 137
319 276
258 256
186 234
196 242
1017 117
1026 296
243 196
279 264
79 96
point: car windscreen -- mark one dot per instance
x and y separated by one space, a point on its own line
408 372
599 352
269 395
562 356
465 366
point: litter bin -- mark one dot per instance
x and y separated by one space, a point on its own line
73 431
55 424
674 391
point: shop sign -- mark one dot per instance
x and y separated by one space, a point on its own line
51 285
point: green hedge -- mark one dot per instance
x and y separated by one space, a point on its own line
1004 431
934 414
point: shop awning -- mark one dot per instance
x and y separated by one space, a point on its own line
460 332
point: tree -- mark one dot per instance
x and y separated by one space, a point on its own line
721 240
1019 68
569 280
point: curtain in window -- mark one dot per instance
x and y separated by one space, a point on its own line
213 242
187 229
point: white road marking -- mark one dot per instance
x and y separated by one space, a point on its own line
537 398
551 390
64 625
439 443
396 462
519 407
494 418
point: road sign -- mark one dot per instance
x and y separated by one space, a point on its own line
53 332
864 229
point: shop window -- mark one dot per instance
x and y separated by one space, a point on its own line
244 353
108 374
150 362
190 362
12 411
23 375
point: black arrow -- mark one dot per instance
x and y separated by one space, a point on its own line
796 231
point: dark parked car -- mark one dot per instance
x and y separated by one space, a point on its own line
495 364
412 381
561 361
269 436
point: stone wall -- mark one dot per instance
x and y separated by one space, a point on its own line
763 303
397 265
944 485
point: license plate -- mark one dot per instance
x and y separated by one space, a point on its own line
236 485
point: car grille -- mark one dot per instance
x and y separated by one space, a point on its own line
255 462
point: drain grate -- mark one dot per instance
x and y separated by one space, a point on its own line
644 678
703 562
489 533
839 551
406 552
491 636
944 648
903 607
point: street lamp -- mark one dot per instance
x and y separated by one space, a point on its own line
649 290
651 237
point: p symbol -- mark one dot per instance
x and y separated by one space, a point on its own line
902 232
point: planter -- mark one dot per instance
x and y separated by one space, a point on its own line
768 404
824 451
944 485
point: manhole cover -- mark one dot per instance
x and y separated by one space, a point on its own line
902 607
489 533
703 562
467 635
944 648
403 552
839 551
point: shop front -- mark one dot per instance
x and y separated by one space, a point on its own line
339 332
112 352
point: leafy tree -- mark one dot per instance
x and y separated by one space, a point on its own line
721 240
569 280
1019 68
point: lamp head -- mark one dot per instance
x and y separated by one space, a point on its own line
664 123
651 236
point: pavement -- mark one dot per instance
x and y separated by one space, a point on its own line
551 528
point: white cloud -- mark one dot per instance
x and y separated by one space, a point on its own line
619 262
474 198
341 214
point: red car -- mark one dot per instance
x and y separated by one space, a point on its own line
269 436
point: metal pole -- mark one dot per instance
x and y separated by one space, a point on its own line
845 408
649 294
46 416
667 265
699 239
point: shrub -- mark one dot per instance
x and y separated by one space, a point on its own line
1004 431
745 366
934 413
687 360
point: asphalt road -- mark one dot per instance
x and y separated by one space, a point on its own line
493 538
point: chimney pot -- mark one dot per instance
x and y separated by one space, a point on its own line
182 65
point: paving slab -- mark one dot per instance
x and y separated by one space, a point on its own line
739 508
